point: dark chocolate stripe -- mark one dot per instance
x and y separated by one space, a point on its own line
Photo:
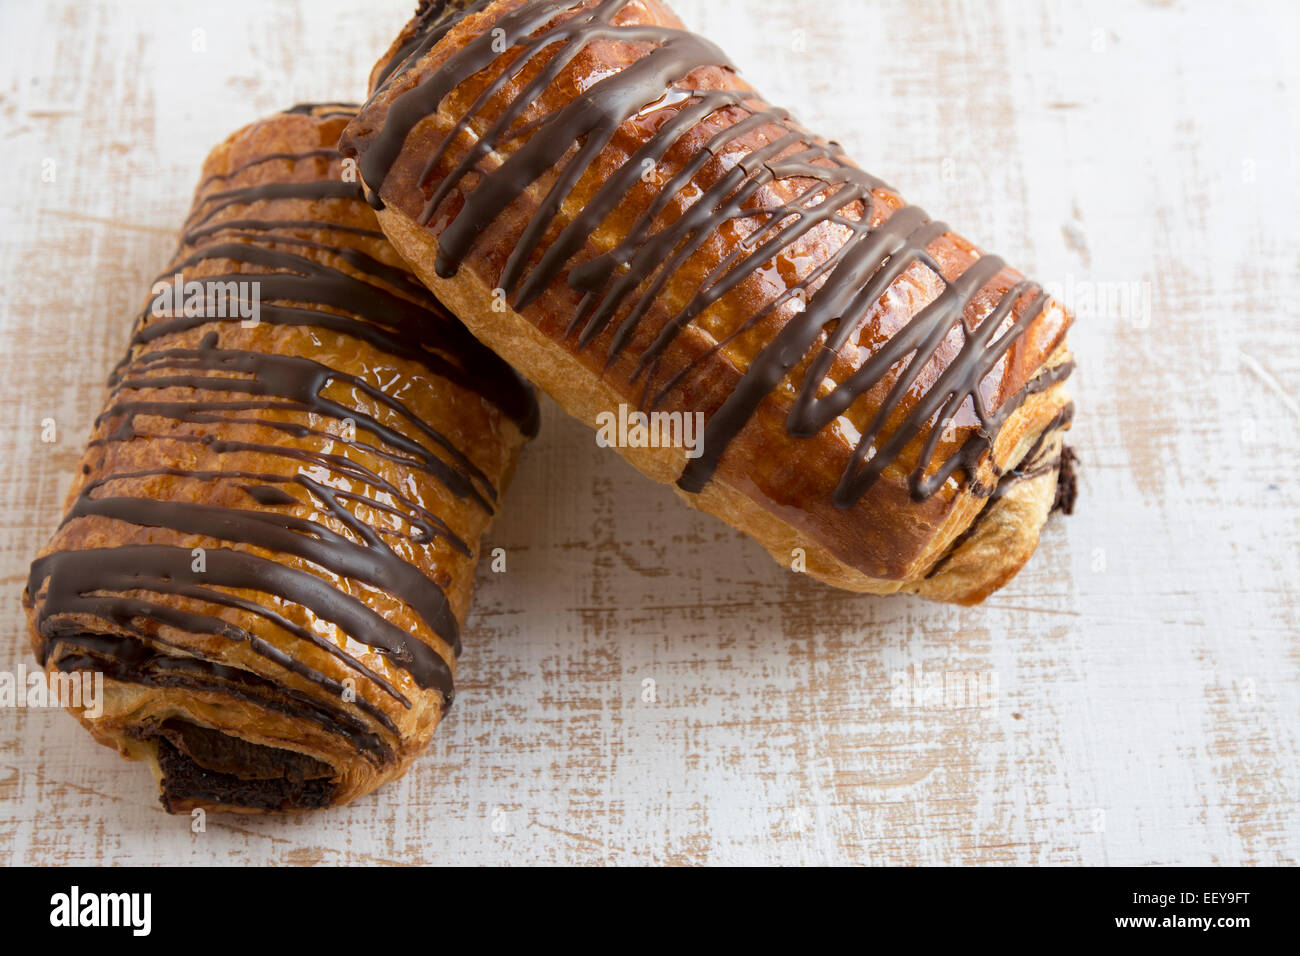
300 382
90 582
322 111
125 609
299 279
132 661
269 192
372 563
434 18
273 225
333 108
324 153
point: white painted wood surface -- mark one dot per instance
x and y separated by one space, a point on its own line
1140 676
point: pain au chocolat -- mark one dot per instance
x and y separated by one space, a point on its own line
610 207
270 548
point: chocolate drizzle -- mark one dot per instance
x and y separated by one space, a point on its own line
324 110
974 322
433 18
131 660
204 397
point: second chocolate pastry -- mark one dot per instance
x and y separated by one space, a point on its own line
269 550
739 307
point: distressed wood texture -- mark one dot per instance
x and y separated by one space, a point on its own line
1136 686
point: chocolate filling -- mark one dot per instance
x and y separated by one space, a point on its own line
204 765
1067 482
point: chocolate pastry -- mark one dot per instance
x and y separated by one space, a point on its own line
605 203
271 544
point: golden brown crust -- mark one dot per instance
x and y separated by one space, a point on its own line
775 486
218 437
